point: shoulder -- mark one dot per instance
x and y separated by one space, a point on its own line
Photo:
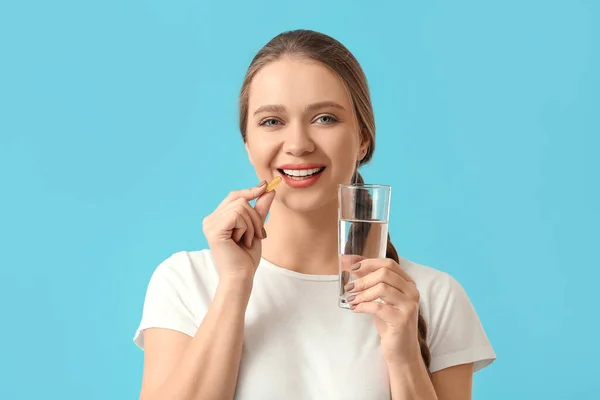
187 267
184 276
455 334
179 293
432 283
441 294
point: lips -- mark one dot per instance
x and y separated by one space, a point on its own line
301 175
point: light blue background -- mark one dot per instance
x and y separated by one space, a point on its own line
118 134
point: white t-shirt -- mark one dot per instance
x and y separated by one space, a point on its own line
298 344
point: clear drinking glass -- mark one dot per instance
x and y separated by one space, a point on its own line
363 216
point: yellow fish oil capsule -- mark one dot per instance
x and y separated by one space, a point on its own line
273 183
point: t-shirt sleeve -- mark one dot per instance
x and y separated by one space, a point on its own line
456 335
173 299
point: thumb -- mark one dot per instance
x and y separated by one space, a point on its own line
263 204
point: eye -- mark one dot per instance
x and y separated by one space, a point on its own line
326 119
269 122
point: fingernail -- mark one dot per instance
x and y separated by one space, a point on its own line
263 183
349 287
355 266
352 307
349 299
264 233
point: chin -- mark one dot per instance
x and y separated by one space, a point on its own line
308 201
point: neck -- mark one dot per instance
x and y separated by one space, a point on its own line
303 242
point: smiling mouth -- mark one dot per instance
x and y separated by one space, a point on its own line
301 174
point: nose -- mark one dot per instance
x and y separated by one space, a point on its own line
298 141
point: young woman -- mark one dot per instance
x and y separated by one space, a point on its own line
256 315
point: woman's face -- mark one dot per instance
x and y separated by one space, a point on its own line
302 126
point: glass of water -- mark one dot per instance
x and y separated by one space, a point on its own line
363 216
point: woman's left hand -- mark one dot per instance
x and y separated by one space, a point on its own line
396 315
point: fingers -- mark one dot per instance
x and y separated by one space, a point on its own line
381 310
382 275
257 221
246 194
385 285
369 265
245 233
347 261
235 219
249 224
243 224
263 204
397 316
382 291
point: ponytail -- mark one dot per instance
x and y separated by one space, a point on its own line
421 324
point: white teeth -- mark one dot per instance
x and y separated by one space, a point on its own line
301 172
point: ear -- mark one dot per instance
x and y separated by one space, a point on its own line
362 154
364 148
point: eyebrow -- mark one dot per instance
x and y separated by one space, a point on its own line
276 108
324 104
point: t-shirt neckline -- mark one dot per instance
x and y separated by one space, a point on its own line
298 275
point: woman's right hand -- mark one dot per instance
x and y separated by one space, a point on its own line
234 232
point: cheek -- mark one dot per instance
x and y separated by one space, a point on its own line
261 153
342 149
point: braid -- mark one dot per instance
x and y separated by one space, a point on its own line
357 235
422 325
